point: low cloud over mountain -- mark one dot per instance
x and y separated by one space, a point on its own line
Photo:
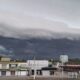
41 48
51 33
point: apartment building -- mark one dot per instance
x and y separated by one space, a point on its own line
13 68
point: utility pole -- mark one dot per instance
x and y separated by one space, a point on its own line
34 69
62 71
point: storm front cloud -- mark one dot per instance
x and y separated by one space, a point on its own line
37 18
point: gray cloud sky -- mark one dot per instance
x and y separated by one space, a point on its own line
18 16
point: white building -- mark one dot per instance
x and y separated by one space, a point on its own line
37 64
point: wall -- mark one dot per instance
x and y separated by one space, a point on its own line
37 64
8 73
4 66
21 73
45 73
5 59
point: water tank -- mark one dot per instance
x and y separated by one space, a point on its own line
64 58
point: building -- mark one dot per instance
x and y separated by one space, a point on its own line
72 70
48 71
13 69
40 67
5 59
28 68
37 65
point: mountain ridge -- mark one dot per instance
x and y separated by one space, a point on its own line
41 48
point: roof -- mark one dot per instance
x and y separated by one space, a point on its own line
49 68
71 68
10 62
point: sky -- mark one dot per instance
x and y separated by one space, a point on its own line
24 17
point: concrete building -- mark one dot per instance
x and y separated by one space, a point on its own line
36 66
13 69
40 67
5 59
29 68
48 71
71 70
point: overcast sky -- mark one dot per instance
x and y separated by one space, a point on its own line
16 16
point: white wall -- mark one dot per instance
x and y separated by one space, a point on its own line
37 64
21 73
8 73
72 74
17 73
7 66
45 73
0 73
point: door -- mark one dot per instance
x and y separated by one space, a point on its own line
13 73
3 73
